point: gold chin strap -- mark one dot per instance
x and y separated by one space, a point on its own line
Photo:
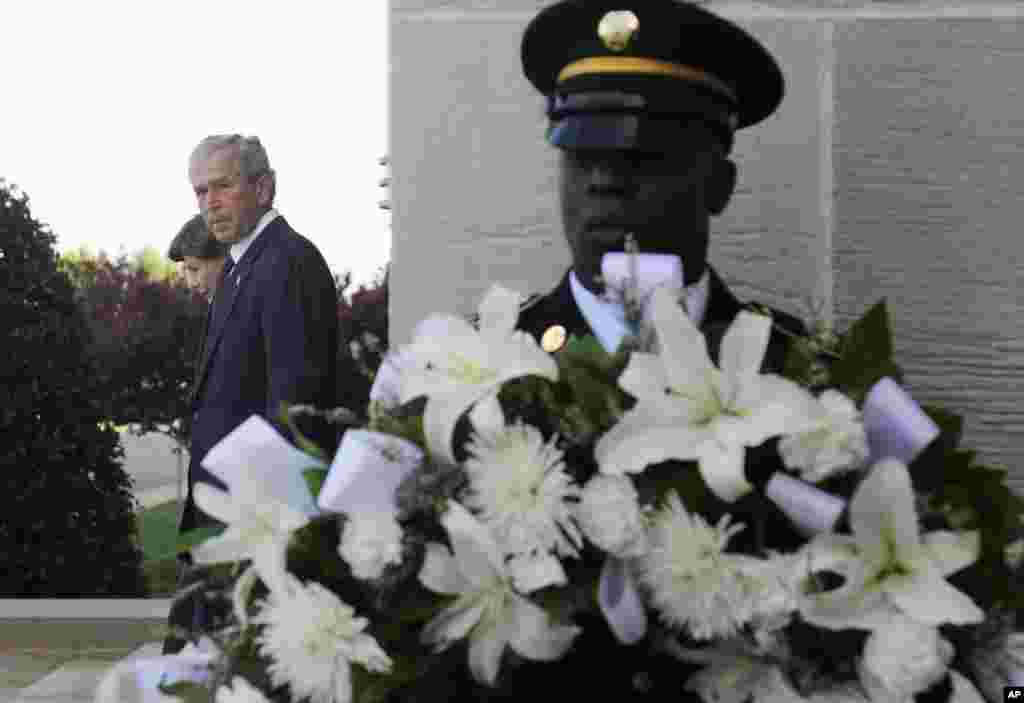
643 66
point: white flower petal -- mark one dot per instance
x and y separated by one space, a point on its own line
499 310
963 690
644 376
773 405
882 512
240 595
228 546
269 558
533 635
519 355
532 572
476 552
953 551
442 414
452 624
486 645
487 415
683 348
213 501
440 572
928 598
721 467
744 345
637 442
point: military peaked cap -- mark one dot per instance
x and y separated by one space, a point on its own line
629 74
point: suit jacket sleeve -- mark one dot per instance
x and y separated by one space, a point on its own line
300 325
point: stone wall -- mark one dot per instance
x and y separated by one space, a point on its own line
894 168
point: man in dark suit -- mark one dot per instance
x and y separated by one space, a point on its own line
272 331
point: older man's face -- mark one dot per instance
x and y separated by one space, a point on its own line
202 275
663 199
230 204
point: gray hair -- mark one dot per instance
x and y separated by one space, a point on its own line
252 157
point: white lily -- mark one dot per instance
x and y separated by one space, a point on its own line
487 610
688 409
456 366
890 567
259 527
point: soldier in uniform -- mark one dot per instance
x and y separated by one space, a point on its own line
643 99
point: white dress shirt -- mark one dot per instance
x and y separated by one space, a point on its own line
608 319
239 248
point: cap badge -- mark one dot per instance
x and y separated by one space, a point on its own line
553 338
616 29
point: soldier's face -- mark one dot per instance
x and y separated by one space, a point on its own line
663 199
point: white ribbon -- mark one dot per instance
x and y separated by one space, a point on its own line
367 469
811 509
620 601
652 271
255 452
896 426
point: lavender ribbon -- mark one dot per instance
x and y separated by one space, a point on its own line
652 271
366 471
255 452
620 601
145 675
896 426
811 509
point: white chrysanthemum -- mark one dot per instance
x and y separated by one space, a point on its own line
312 638
371 541
520 490
241 691
837 443
694 583
609 515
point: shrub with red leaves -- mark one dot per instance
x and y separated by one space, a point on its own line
362 338
145 334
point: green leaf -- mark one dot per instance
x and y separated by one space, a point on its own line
866 354
301 441
587 345
950 424
315 477
409 427
187 691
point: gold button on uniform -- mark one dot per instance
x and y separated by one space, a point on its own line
553 338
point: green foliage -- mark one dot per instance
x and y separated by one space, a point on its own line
287 418
866 354
69 520
315 477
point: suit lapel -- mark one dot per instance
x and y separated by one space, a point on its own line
219 321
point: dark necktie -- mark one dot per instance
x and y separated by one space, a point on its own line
222 298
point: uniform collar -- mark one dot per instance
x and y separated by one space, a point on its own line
239 248
608 319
